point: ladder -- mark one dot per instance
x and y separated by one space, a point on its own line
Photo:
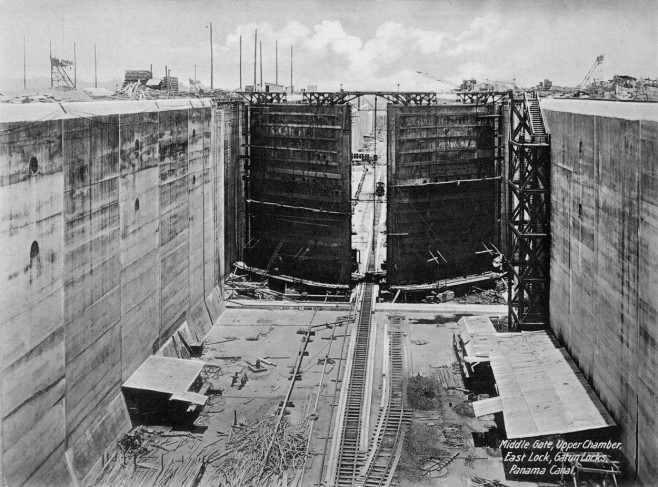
276 252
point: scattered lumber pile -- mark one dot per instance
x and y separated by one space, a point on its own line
446 377
148 456
477 295
239 287
482 482
251 465
136 75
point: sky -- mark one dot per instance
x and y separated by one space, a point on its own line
361 44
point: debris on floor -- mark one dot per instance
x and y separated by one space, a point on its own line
464 408
421 452
478 295
252 462
423 392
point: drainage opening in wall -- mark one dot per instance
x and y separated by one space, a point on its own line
34 165
193 179
137 146
580 209
137 204
34 250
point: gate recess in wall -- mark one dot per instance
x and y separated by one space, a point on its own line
444 167
298 191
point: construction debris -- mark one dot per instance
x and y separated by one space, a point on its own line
423 392
478 295
446 377
434 466
464 408
250 463
421 451
480 482
469 460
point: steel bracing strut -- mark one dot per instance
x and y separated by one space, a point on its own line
528 180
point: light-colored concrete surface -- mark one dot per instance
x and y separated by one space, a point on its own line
604 259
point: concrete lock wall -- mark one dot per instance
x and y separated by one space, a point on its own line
441 199
112 236
604 259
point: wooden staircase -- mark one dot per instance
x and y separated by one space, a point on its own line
535 119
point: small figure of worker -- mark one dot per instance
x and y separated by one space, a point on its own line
243 381
234 379
258 363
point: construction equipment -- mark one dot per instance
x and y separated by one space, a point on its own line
59 76
436 78
502 85
597 63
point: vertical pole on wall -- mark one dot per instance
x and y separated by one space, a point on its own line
374 183
95 69
261 64
247 171
276 62
75 69
24 75
291 69
240 63
212 70
51 62
255 56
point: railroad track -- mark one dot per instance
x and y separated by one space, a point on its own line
393 417
350 459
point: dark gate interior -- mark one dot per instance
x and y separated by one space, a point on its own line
298 200
442 191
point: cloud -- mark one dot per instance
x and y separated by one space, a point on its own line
326 52
291 34
390 43
483 33
330 34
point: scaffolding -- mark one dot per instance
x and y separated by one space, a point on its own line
528 247
59 76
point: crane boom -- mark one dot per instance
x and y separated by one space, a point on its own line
436 78
598 62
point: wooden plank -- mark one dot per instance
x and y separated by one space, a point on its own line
191 397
